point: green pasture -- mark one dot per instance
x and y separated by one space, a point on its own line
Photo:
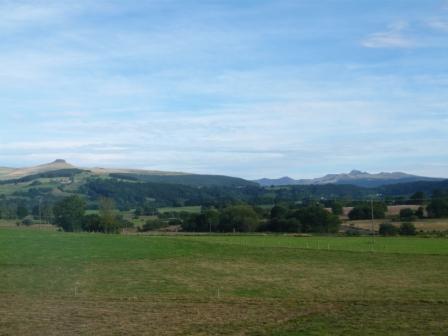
54 283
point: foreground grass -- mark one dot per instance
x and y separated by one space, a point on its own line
54 283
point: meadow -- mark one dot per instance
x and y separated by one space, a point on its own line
54 283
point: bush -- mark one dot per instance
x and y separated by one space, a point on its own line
388 229
407 229
27 222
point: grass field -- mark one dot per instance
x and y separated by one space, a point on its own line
54 283
190 209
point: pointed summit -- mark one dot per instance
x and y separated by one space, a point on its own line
55 165
355 172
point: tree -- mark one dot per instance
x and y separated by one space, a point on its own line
407 214
280 222
420 213
22 211
417 198
108 215
211 219
388 229
284 225
438 208
364 211
317 219
92 223
69 212
240 218
337 208
407 229
278 211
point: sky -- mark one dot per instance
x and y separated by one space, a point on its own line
249 88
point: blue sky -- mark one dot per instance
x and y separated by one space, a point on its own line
245 88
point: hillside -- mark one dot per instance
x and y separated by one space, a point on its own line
135 188
355 177
61 168
186 179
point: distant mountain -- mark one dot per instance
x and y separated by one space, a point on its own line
355 177
265 182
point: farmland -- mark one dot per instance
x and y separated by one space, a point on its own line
57 283
426 225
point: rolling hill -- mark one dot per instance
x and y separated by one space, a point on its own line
60 168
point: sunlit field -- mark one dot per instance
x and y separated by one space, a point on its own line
57 283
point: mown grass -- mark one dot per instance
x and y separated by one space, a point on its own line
58 283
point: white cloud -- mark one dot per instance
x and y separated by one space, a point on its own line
438 24
393 38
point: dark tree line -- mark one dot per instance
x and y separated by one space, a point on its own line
245 218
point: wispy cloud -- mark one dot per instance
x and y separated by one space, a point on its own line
395 37
438 24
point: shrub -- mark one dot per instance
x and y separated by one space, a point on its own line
388 229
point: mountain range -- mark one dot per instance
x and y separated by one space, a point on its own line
131 188
355 177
